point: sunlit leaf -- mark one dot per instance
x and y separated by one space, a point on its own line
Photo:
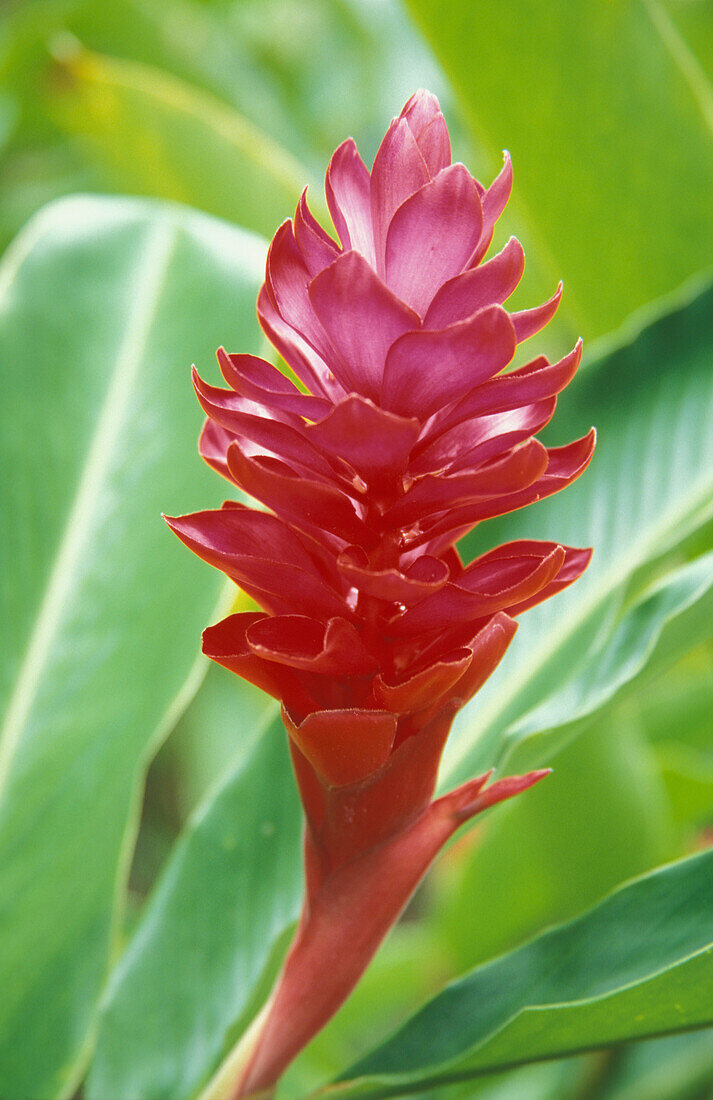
103 305
586 97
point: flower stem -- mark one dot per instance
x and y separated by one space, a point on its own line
347 912
355 906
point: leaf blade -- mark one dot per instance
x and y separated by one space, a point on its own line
99 636
159 135
230 891
598 980
583 76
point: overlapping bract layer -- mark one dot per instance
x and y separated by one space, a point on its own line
373 632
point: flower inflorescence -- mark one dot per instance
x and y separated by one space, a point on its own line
403 435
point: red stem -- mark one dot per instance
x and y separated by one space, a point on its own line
346 915
340 929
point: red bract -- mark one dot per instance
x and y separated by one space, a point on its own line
372 632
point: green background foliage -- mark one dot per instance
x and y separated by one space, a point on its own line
149 826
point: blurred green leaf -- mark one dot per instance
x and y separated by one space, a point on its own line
565 1079
103 304
692 21
650 486
223 716
157 135
227 63
679 1067
221 721
586 97
639 964
686 690
33 177
600 818
230 891
364 59
688 775
8 118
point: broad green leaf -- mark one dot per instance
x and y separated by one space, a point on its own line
688 25
230 891
157 135
221 722
650 486
586 97
639 964
103 305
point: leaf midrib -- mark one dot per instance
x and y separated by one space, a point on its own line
147 286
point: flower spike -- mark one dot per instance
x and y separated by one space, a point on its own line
407 432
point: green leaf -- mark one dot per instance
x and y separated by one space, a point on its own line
230 891
363 61
103 305
208 736
586 97
639 964
638 644
679 1067
688 775
650 486
157 135
222 720
600 818
689 28
362 64
688 688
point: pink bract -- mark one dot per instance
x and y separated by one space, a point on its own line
404 434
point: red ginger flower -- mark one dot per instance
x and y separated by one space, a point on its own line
373 633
